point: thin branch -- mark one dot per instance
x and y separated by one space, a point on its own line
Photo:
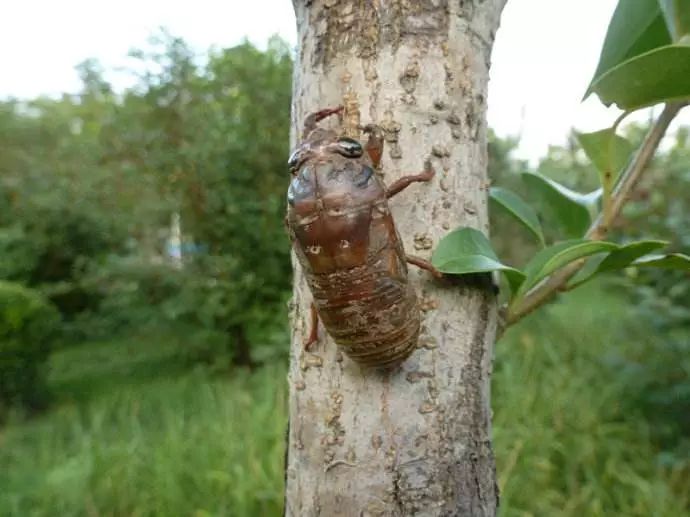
608 181
599 229
632 174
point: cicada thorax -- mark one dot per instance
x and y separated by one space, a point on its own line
346 241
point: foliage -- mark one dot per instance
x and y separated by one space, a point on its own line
131 415
660 203
55 213
662 297
214 139
645 59
198 302
568 424
511 240
638 41
28 325
655 372
568 213
569 166
476 256
19 254
136 432
131 290
91 181
518 209
635 28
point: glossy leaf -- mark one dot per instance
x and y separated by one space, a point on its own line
670 261
620 258
636 27
557 256
519 209
624 256
607 151
677 16
561 207
661 75
465 251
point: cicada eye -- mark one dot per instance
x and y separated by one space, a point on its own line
349 147
294 161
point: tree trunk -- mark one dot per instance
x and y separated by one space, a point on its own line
414 441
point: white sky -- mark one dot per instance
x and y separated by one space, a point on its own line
545 53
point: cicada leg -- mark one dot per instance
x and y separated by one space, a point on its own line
424 264
405 181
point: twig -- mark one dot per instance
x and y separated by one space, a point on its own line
632 174
608 181
599 229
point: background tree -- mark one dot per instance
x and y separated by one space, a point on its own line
90 182
213 140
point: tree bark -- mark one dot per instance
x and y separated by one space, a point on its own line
414 441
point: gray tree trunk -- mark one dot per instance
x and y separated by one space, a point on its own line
415 441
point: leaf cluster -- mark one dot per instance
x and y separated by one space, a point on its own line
645 60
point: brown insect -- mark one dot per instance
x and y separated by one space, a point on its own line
346 241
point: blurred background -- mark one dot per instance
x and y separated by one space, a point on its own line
145 271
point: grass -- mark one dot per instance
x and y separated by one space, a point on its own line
568 439
135 432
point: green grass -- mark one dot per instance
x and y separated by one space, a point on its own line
135 432
568 439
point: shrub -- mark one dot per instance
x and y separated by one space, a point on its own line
658 374
28 325
47 245
19 254
207 306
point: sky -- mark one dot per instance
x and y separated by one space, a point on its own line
544 56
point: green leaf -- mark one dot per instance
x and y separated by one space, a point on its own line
677 16
670 261
520 210
479 264
608 152
636 27
661 75
588 271
465 251
618 259
557 256
563 208
625 255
